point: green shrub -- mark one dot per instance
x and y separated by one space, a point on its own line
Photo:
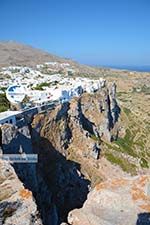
144 163
40 86
4 103
126 144
127 111
123 163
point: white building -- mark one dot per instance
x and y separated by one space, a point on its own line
9 117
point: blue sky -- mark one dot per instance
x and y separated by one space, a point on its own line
98 32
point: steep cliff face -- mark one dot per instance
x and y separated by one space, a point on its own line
56 184
117 201
89 115
17 206
18 141
78 128
68 187
69 143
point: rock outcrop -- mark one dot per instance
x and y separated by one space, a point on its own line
18 141
68 186
115 202
17 205
77 129
91 115
56 184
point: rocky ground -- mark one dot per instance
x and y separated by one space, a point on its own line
17 205
123 201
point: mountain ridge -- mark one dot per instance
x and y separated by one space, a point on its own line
18 54
12 53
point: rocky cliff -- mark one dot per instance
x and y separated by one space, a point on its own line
78 129
18 141
69 141
56 184
17 205
115 202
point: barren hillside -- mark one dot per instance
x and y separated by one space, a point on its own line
13 53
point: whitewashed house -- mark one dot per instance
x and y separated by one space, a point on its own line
9 117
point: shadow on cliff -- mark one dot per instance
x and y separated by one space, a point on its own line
116 111
143 219
67 188
25 171
63 115
17 144
84 121
112 113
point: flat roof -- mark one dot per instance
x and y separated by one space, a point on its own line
6 114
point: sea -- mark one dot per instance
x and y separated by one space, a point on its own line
130 68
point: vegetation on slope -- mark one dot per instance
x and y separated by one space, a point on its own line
4 103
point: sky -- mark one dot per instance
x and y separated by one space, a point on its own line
95 32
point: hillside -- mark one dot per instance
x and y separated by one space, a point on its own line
13 53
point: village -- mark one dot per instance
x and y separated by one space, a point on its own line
39 88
